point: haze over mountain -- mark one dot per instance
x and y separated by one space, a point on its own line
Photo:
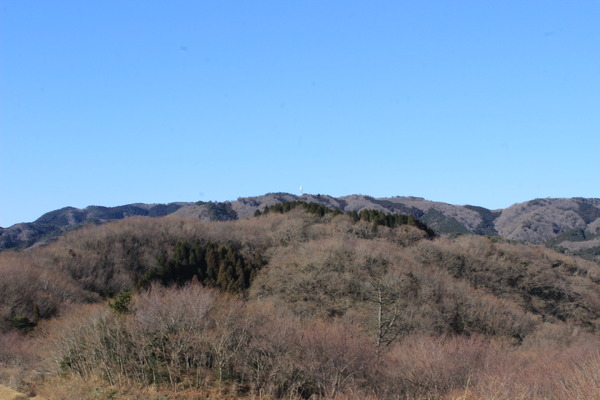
569 225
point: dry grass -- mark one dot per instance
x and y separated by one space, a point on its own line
7 393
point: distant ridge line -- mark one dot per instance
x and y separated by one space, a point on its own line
571 225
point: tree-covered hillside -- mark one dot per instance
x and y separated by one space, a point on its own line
299 301
571 226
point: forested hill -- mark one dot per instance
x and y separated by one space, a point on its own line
300 301
569 225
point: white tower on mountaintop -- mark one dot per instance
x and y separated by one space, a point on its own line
301 191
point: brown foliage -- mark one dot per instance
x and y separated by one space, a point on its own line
536 279
31 291
334 358
427 367
561 372
188 338
332 277
340 310
184 338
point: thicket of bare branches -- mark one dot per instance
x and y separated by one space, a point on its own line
340 309
387 289
192 337
29 292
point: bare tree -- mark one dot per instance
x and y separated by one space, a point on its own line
382 287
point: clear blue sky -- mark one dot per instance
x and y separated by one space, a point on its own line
467 102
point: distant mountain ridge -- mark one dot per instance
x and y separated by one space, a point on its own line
54 223
569 225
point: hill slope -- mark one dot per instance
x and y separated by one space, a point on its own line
297 302
568 225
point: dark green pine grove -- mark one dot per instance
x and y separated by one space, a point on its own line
211 264
312 208
377 218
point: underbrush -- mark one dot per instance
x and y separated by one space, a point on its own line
335 308
192 343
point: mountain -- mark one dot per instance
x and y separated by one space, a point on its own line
569 225
301 301
55 223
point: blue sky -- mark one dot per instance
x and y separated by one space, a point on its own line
467 102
